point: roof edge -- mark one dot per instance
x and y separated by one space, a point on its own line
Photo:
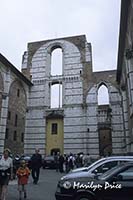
7 63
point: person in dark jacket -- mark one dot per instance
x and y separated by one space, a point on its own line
56 157
36 163
61 162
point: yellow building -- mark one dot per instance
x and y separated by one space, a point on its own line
54 134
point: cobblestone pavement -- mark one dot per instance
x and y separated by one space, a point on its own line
44 190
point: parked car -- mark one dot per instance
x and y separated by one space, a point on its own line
49 162
105 163
115 184
99 167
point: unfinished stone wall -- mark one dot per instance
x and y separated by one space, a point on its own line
76 55
15 127
79 88
9 103
107 78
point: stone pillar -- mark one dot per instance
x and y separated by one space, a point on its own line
4 113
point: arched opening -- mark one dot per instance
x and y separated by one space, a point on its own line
55 151
56 95
104 121
16 117
56 62
103 95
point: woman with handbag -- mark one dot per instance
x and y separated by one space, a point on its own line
6 171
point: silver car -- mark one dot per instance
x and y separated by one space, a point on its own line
97 168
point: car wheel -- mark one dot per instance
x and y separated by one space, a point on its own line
84 197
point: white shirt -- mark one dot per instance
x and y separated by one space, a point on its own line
5 163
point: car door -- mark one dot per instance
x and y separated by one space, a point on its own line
104 167
124 180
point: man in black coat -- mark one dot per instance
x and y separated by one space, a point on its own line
36 163
61 162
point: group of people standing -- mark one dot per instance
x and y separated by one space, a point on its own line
22 173
65 163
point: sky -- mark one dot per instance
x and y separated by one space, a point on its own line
24 21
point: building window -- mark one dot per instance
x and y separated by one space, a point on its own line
22 137
6 135
18 92
56 95
15 136
54 128
103 95
56 62
9 115
16 120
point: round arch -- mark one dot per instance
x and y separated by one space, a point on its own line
19 84
15 128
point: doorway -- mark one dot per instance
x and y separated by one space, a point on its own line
105 142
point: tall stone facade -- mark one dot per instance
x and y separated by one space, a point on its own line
86 126
14 87
125 70
105 122
79 123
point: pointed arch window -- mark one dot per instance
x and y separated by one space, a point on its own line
103 95
56 62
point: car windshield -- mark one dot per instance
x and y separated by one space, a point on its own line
108 173
49 158
25 157
93 164
103 159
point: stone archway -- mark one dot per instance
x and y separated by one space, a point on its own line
15 128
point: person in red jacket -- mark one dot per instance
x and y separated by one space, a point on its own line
23 173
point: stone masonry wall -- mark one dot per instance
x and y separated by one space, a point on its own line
76 52
79 88
10 103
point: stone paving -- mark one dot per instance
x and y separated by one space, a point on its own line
44 190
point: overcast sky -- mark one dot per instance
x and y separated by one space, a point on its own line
24 21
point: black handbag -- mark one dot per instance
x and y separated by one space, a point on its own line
4 173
